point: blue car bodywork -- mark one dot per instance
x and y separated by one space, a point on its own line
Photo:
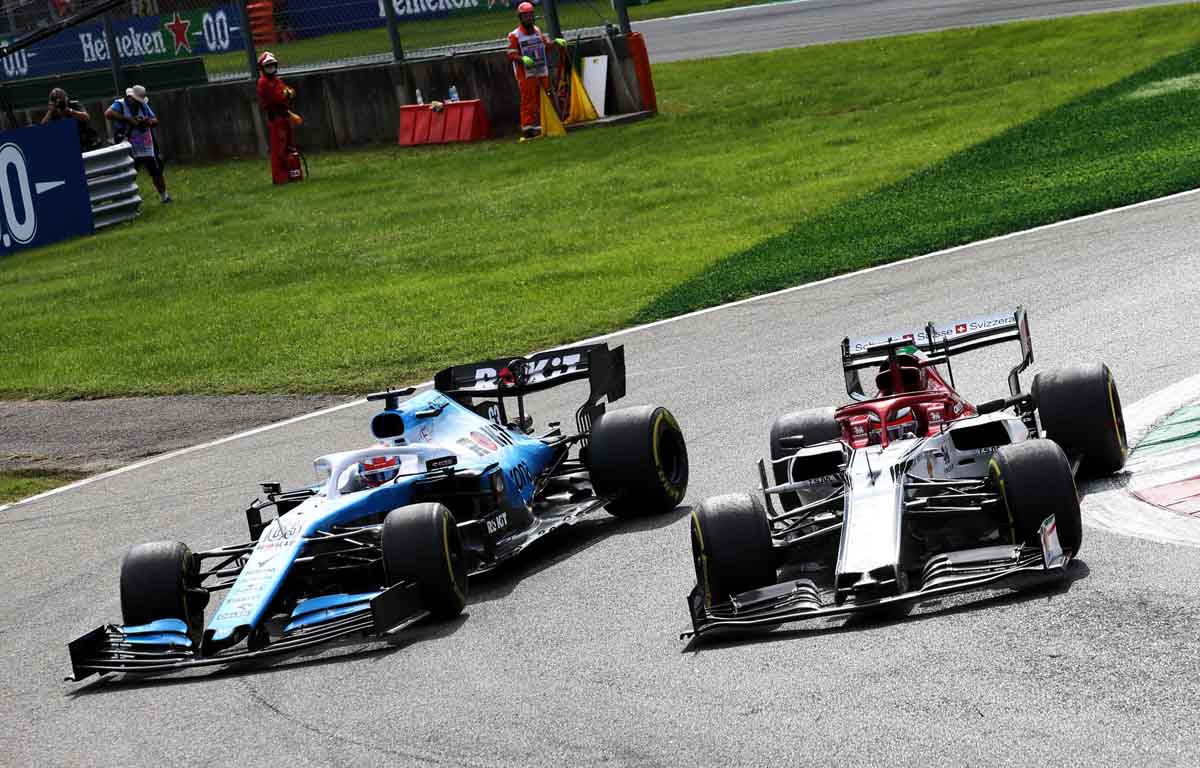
313 572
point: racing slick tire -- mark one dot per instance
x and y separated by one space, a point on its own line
420 543
1034 480
731 546
639 457
1080 410
161 580
816 425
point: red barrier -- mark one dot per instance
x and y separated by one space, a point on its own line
262 22
457 121
641 65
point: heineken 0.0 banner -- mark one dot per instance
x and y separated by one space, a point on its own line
312 18
139 39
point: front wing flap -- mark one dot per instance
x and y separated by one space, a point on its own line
800 599
165 646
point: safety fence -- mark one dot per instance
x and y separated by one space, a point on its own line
112 185
164 44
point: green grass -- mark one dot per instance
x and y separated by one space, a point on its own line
23 483
462 28
763 170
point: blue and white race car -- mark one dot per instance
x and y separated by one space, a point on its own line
387 537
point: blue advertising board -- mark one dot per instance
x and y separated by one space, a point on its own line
43 189
139 39
312 18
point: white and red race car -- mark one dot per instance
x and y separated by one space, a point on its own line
911 492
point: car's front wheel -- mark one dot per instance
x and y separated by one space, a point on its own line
160 580
731 546
420 543
638 457
1034 481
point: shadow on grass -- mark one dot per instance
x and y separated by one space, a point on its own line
987 599
1134 140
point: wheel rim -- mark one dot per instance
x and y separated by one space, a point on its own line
670 453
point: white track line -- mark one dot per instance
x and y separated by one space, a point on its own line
614 334
1113 508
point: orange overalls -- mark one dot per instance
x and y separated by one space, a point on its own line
272 95
533 44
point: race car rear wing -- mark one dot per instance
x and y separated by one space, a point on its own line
604 369
941 341
514 376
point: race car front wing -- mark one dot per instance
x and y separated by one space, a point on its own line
801 599
165 646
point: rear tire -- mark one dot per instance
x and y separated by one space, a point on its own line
639 457
731 546
420 543
1080 410
1034 480
160 580
815 425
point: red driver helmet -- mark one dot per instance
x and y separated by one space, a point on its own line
524 8
525 14
913 377
378 470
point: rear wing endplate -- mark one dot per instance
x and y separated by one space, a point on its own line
941 341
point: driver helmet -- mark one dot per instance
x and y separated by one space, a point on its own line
913 376
377 470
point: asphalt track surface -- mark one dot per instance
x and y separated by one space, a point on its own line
808 22
572 657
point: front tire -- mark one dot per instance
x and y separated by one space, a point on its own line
420 543
731 546
638 456
1080 410
1035 481
160 580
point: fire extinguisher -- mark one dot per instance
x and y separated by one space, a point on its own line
297 165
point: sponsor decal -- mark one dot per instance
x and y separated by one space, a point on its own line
138 40
470 445
921 337
520 477
42 184
484 442
497 523
441 462
536 371
426 433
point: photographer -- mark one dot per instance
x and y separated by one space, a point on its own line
134 121
62 108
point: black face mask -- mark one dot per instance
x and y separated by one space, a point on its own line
528 25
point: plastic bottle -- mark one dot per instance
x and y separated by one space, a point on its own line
419 99
453 94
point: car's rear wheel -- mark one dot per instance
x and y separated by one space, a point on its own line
160 580
638 457
793 431
1080 409
731 546
1035 481
420 543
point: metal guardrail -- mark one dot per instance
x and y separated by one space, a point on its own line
112 185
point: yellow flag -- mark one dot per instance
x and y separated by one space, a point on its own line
551 125
581 105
